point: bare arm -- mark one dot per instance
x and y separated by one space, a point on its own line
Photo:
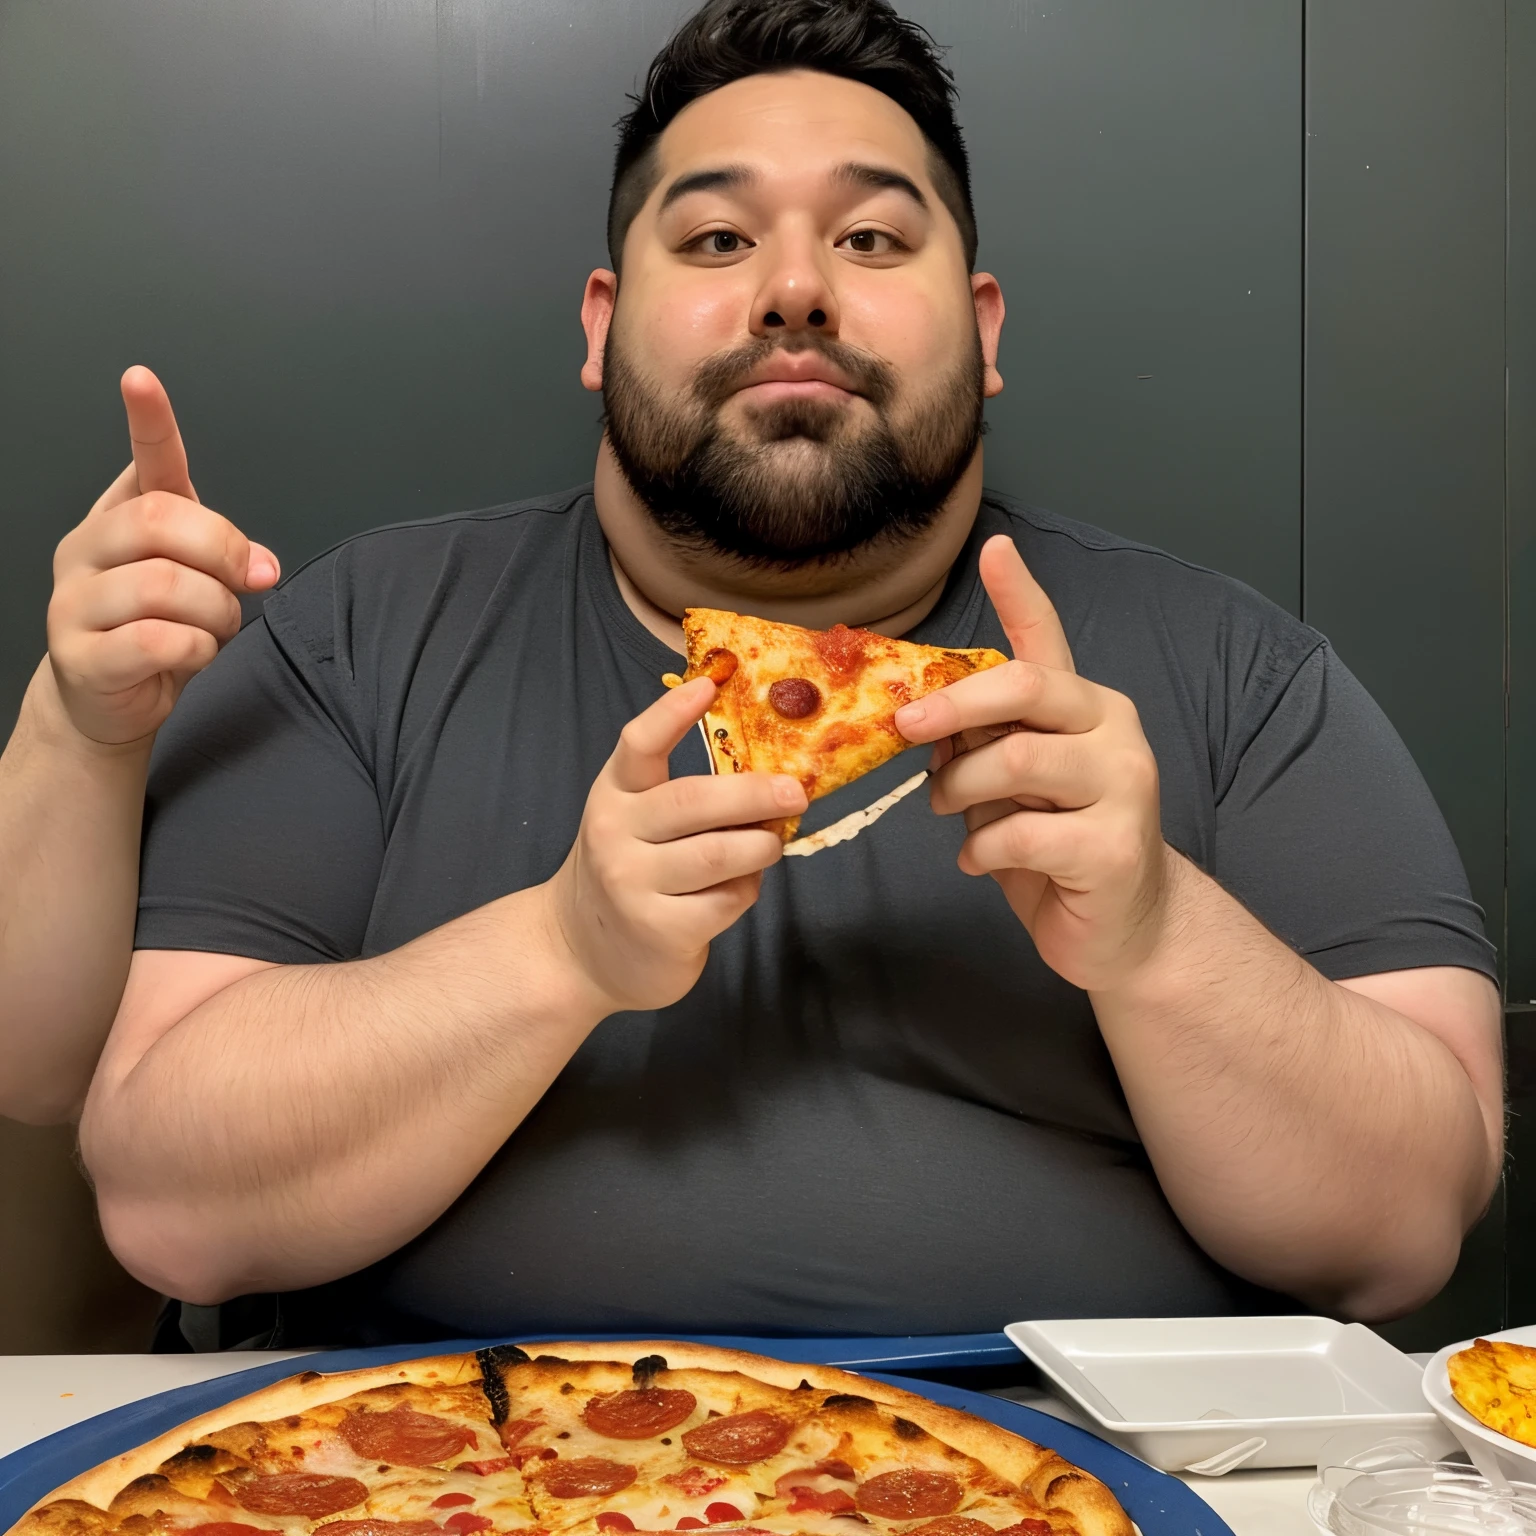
258 1127
1332 1140
143 598
69 847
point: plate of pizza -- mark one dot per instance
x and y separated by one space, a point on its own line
597 1438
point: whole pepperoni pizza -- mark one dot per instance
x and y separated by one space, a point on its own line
576 1439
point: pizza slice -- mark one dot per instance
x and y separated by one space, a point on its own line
818 704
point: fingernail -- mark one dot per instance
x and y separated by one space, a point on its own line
910 716
788 793
261 572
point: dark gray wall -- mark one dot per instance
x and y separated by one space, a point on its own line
352 236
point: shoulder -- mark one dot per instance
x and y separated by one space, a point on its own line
1113 592
389 579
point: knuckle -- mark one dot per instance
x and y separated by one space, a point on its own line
158 580
1021 753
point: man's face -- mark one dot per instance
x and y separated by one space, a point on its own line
793 369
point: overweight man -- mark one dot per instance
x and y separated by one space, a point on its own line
464 1002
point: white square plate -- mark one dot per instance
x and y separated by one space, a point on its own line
1209 1394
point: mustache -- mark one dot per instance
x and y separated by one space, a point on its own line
718 378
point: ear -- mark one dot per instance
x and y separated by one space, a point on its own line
596 316
988 298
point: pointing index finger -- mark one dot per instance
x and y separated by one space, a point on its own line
159 456
1028 616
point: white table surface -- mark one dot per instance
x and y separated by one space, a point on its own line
42 1393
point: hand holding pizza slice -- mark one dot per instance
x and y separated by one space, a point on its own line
1059 789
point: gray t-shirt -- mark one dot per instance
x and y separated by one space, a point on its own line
878 1111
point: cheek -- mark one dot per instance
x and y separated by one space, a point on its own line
681 326
913 328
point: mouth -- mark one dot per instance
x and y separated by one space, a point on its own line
797 376
771 391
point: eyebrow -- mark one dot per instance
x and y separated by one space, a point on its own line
877 178
721 178
880 178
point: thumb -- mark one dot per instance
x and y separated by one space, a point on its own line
1029 618
262 569
159 456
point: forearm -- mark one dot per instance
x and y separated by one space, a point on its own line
1309 1138
70 817
308 1120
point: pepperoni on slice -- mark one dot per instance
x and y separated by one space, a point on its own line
311 1494
738 1439
485 1468
612 1520
466 1524
402 1437
835 1501
584 1477
1028 1526
449 1500
956 1525
909 1494
229 1528
795 697
721 1513
690 1523
639 1414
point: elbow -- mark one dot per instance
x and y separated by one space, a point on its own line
162 1247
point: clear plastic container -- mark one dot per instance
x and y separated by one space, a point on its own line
1394 1495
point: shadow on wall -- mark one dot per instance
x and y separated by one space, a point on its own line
61 1291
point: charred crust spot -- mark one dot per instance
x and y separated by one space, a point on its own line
495 1389
846 1400
804 1386
383 1466
547 1359
666 1439
310 1376
564 1434
721 734
1058 1480
567 1387
191 1455
907 1430
647 1369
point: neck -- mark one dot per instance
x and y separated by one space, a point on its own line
888 590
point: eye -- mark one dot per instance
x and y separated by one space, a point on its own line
720 242
872 242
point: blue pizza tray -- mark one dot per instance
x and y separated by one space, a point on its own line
1161 1505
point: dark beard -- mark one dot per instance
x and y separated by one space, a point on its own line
850 489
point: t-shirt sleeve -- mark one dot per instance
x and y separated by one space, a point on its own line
262 833
1329 834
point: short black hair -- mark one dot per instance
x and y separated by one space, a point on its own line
729 40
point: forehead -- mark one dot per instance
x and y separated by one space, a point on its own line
793 124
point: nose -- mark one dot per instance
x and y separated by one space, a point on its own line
796 293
